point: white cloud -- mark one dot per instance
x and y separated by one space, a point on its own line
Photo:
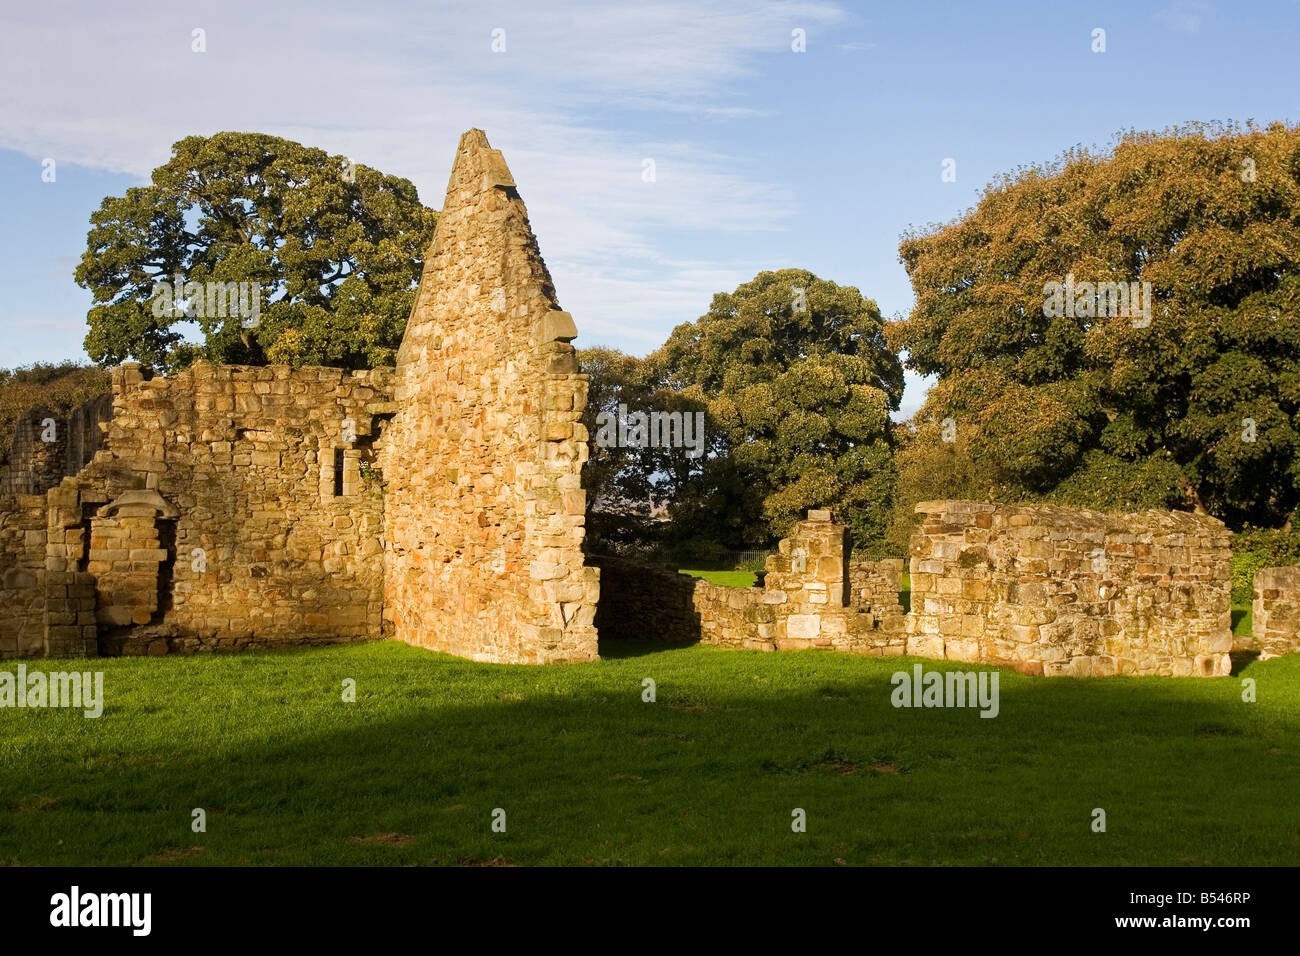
393 86
1184 15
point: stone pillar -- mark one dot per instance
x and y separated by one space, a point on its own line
808 575
1276 611
811 564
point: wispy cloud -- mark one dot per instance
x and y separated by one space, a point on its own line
1184 15
113 88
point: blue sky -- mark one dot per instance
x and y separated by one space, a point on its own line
764 157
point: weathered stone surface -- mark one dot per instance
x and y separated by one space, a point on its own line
478 528
1079 592
47 447
1276 612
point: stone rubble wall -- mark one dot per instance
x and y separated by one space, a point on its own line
1066 591
485 526
1275 610
875 586
806 590
640 601
35 465
22 576
259 549
803 603
1041 589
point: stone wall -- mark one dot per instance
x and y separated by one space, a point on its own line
34 464
875 586
1044 590
47 447
22 576
1276 611
1066 591
735 617
641 601
485 526
804 602
86 427
228 509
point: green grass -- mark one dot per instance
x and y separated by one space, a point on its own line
731 579
1242 616
588 773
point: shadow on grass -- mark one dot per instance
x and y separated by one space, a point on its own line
588 772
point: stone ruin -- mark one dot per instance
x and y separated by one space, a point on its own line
485 509
1040 589
1276 611
440 503
1067 591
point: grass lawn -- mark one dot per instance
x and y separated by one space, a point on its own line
589 773
1241 618
731 579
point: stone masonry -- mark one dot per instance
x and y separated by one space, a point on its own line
485 526
1276 611
1066 591
228 507
1043 590
47 447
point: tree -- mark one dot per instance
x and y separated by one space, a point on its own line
623 480
799 382
1069 378
334 251
618 479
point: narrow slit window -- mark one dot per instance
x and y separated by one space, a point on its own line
338 472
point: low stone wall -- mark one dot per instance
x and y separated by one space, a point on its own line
875 586
1065 591
642 601
803 604
22 576
735 617
1276 611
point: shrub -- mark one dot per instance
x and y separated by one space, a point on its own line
1255 548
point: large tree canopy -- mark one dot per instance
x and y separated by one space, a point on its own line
1065 395
798 382
335 250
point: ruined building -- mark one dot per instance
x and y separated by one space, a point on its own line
441 503
228 507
